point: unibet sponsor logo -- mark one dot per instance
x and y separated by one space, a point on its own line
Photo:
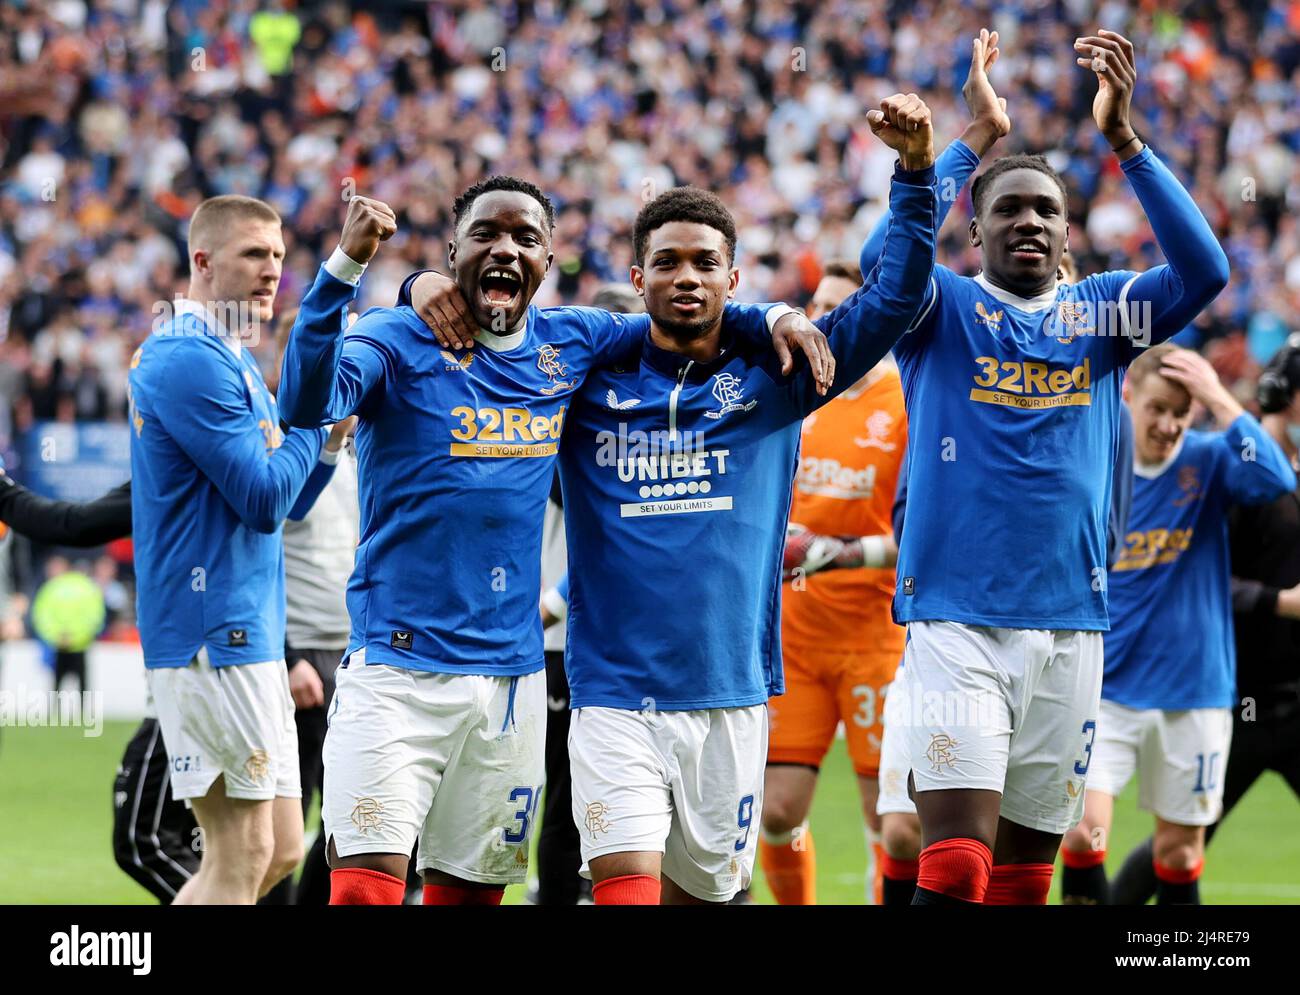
829 478
1152 548
674 483
505 432
1030 384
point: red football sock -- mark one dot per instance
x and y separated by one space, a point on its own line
358 886
877 872
1081 859
897 880
1176 875
898 869
957 868
442 894
1019 884
628 889
791 871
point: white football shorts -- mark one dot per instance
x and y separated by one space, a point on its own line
1007 710
894 766
453 761
235 722
1179 757
687 784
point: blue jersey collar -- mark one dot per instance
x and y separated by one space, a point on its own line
672 364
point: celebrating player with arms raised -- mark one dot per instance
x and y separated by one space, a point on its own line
1013 386
839 643
677 472
437 730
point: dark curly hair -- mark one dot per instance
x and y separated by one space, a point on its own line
683 204
512 183
984 182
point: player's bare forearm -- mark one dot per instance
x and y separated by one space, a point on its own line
1197 376
1225 409
979 137
989 119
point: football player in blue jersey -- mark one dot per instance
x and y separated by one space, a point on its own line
437 731
213 477
1166 709
1012 380
677 471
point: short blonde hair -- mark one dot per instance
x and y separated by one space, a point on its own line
214 218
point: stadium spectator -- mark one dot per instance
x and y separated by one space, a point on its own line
125 115
67 615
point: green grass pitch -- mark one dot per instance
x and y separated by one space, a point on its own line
56 797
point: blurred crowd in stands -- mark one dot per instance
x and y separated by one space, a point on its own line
118 116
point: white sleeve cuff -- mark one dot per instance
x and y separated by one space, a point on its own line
873 551
775 313
330 458
555 604
343 267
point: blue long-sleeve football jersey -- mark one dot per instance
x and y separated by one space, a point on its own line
952 168
1170 643
456 454
213 478
677 478
1013 418
1121 488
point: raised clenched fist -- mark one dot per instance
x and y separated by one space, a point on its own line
368 223
903 123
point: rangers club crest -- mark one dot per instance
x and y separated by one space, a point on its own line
1072 318
878 425
549 362
728 391
1189 482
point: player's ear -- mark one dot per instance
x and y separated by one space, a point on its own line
451 254
637 275
201 262
550 258
1126 391
974 232
733 281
